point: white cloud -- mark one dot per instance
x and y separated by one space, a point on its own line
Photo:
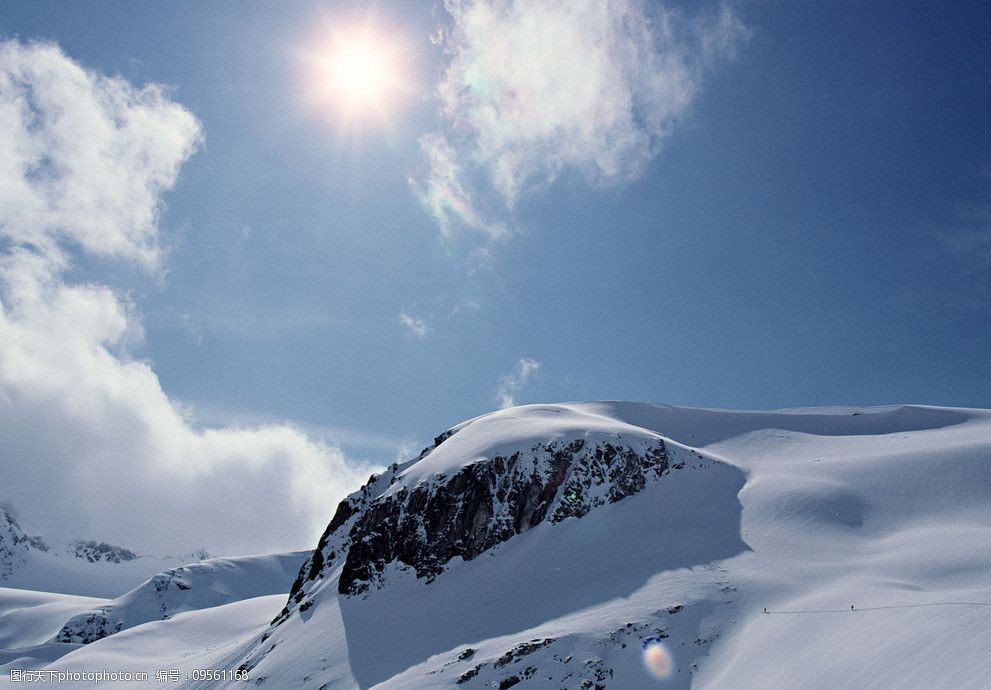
83 158
90 445
511 384
417 327
537 88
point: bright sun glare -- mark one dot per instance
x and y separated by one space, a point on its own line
356 73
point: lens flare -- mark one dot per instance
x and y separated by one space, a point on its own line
355 72
358 72
658 661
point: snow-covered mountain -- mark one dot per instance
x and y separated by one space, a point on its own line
62 623
28 622
82 568
522 516
590 545
13 546
201 585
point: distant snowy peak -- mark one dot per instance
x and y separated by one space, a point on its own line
478 486
94 552
13 545
82 568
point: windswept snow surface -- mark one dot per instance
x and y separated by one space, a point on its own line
188 642
208 583
29 621
80 568
65 574
39 628
804 512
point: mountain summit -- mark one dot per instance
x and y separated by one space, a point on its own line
562 545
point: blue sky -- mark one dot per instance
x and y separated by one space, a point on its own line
809 225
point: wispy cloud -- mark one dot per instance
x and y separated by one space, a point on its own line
417 327
84 161
464 305
511 384
534 89
445 193
480 260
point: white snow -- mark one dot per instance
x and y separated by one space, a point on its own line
518 428
804 512
31 623
28 622
189 641
208 583
59 571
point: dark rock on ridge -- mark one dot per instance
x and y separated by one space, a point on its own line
99 551
483 504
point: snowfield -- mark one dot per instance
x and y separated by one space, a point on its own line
546 546
208 583
73 569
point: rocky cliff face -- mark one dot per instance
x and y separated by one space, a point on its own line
488 502
421 526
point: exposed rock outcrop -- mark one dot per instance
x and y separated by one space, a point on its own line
94 552
423 525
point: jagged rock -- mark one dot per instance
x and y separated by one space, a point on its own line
95 552
90 627
488 502
423 525
522 650
38 543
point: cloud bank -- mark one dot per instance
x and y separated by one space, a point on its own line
534 89
90 445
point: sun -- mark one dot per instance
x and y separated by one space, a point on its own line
359 73
356 74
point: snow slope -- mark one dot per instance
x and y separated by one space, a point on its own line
82 568
29 621
39 628
187 642
201 585
63 573
510 555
